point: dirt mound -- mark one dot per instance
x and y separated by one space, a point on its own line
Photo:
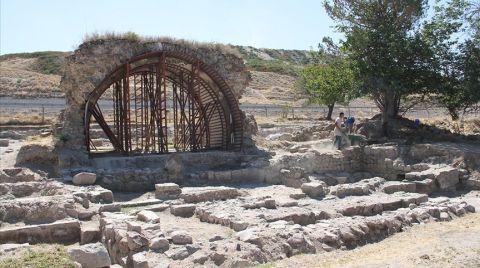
20 79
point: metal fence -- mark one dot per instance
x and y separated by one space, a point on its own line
51 108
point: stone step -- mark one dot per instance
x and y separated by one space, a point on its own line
62 231
140 203
363 187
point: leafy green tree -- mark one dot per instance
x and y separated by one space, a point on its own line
454 61
328 84
382 40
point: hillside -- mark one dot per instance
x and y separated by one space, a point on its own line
273 71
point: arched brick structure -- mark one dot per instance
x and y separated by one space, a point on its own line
94 65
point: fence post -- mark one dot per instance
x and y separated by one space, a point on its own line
43 114
266 111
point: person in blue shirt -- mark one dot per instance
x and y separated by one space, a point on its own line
349 123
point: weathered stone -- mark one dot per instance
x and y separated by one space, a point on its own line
270 203
447 177
238 225
136 241
167 191
84 178
159 243
249 236
4 248
139 260
181 238
148 216
185 210
100 196
313 189
110 208
90 255
216 238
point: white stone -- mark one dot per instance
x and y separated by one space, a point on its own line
84 178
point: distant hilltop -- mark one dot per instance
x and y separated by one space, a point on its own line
37 74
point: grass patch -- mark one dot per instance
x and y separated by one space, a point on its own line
42 256
274 66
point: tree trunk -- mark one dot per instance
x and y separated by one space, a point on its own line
453 113
390 109
330 111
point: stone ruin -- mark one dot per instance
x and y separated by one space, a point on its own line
287 194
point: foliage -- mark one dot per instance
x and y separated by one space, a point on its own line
382 40
328 84
455 61
44 257
332 80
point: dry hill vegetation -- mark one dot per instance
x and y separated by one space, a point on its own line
31 75
37 75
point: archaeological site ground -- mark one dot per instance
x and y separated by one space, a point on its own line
155 160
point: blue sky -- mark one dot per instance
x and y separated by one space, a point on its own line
34 25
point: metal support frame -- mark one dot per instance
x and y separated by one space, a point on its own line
159 94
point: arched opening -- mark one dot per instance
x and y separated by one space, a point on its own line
159 103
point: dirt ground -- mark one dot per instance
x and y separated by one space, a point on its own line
439 244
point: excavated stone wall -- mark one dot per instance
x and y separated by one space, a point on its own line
94 60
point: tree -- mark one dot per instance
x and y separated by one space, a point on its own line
328 84
383 42
454 61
